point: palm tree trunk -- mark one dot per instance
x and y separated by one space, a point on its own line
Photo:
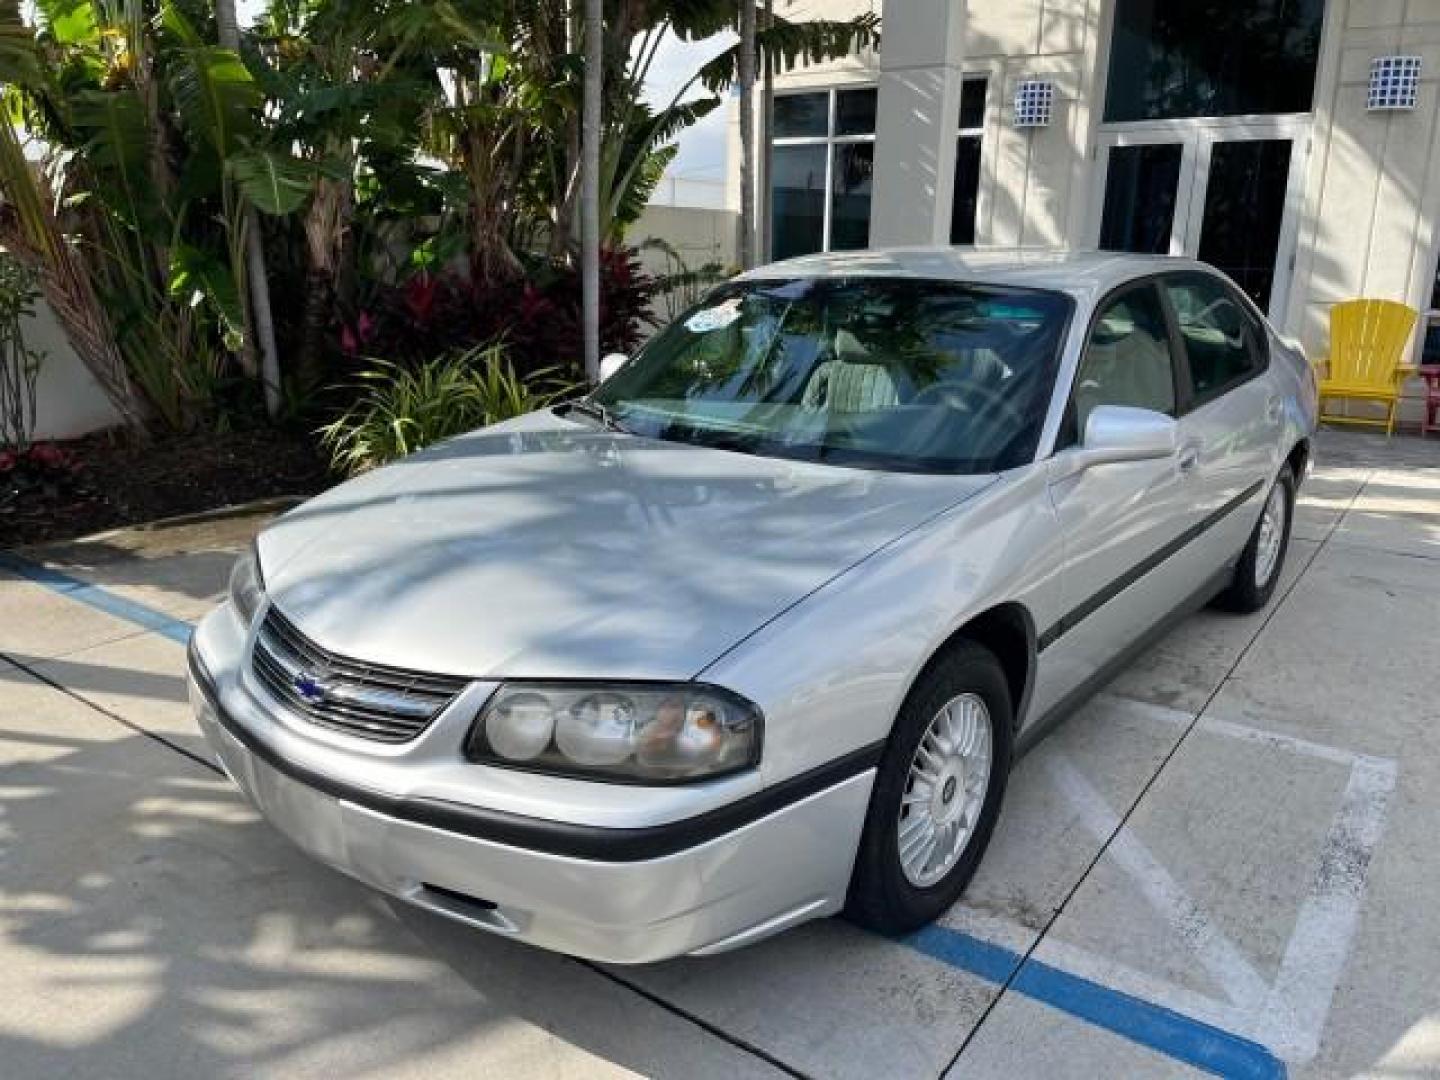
326 226
763 226
747 134
30 231
590 134
562 233
257 279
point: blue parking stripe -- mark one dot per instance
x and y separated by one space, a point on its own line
1162 1030
101 599
1143 1022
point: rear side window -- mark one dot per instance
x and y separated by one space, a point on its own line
1127 361
1224 343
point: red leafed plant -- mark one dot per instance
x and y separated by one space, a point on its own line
537 317
38 469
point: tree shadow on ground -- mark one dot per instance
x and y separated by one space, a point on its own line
153 925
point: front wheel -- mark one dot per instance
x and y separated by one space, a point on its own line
1258 571
937 793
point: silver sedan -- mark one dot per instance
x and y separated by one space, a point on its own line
754 633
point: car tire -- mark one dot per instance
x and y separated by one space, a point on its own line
888 893
1258 570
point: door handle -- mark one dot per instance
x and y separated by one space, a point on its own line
1274 409
1189 459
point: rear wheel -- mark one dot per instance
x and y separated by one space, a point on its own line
937 793
1258 571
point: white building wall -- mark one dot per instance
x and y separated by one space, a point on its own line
1372 200
862 69
69 400
1033 189
698 234
1033 182
1371 197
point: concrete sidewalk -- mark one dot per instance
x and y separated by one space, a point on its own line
1225 862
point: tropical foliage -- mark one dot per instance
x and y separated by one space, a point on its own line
400 410
411 166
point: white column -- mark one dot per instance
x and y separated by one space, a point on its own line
922 54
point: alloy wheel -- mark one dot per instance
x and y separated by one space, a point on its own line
1272 536
945 790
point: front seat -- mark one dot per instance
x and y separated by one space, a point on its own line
1124 368
852 382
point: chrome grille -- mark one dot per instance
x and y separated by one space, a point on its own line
367 700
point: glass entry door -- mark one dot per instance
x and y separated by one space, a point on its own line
1239 211
1222 191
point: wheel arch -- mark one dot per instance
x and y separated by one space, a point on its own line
1008 631
1299 459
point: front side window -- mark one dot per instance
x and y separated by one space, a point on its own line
1224 343
1127 361
897 374
1212 58
821 164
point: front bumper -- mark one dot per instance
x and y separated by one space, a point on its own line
630 895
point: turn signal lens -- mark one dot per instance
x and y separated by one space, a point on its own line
635 732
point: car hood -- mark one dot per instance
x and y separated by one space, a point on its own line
543 548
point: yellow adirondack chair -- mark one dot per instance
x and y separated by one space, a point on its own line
1367 344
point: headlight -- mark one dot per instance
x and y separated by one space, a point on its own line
247 587
633 732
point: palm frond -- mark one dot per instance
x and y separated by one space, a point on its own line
117 147
216 95
198 276
631 201
787 44
29 230
276 183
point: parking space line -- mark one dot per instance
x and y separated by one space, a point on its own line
1235 975
154 736
1320 943
1154 1026
1163 1030
98 598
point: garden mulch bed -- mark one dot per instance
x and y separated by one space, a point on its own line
113 482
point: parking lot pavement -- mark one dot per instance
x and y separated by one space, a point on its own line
1223 864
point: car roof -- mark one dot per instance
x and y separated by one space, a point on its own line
1083 274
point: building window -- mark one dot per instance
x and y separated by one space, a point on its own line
821 167
967 161
1212 58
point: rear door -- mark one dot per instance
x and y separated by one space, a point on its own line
1231 410
1125 524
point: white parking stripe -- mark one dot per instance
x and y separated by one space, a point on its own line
1320 943
1239 980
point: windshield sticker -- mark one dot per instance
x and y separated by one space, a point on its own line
715 318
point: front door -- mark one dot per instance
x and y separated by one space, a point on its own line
1224 191
1124 523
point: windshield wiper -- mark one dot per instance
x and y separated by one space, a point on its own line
599 413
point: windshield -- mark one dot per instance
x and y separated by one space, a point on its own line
885 373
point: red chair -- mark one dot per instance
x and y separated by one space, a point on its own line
1431 375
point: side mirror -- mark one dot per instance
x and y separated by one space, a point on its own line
611 363
1115 433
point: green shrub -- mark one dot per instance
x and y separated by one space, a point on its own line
401 410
